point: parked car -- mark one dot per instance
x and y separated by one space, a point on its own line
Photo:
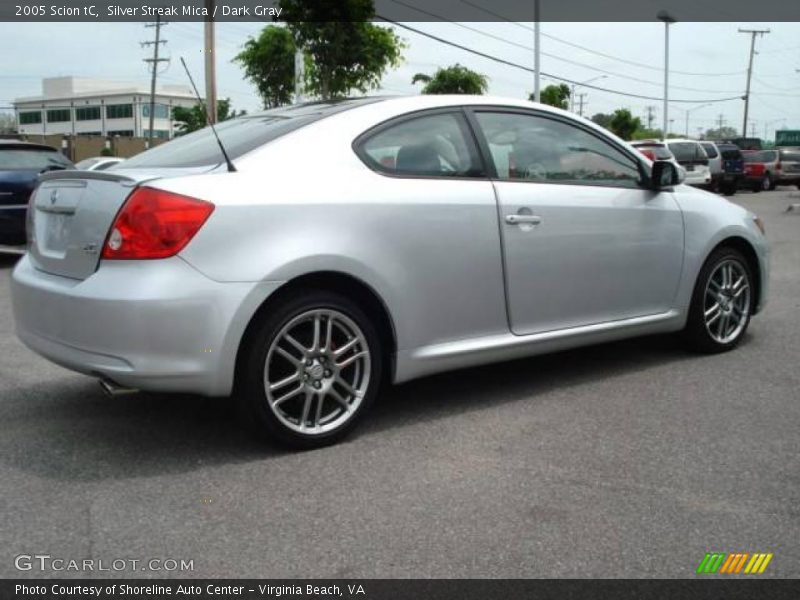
732 168
755 170
787 169
691 156
20 166
98 163
655 150
714 164
437 233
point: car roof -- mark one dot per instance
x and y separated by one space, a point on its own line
20 145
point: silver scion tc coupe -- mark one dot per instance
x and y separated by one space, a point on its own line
374 239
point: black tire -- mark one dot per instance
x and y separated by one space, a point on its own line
756 188
767 184
696 333
254 406
729 189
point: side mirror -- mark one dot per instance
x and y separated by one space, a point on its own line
665 174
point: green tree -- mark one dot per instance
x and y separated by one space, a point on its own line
344 50
721 133
555 95
647 134
602 119
624 124
268 62
194 118
455 79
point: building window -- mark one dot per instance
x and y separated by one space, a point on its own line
30 117
59 115
157 133
161 111
87 113
119 111
122 133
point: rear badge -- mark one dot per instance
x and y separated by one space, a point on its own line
53 197
90 249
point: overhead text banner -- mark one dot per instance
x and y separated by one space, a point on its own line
400 10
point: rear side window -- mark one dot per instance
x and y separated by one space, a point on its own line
434 145
32 160
711 150
752 157
769 156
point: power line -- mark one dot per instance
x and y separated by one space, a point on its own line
551 76
585 49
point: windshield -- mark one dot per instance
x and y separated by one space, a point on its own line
86 163
32 159
239 135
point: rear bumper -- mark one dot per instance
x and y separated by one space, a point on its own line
150 325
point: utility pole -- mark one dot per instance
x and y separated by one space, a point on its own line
210 65
753 33
720 122
581 96
153 62
753 129
537 92
650 116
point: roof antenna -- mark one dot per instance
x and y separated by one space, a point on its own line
231 168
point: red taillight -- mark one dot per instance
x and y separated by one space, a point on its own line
778 166
155 224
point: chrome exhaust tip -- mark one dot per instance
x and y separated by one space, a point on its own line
113 390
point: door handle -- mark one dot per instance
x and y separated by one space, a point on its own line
517 219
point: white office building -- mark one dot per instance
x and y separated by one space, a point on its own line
81 106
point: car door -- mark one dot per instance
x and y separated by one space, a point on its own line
583 241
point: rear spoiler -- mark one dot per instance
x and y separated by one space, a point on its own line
97 175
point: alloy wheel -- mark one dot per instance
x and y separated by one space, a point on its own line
727 301
317 371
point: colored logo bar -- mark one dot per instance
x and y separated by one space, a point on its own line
734 563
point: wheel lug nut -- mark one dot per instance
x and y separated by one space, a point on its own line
327 373
317 384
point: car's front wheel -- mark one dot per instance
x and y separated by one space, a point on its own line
721 303
311 369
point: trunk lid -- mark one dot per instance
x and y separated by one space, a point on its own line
72 212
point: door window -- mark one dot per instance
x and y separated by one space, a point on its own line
533 148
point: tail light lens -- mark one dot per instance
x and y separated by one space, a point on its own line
155 224
778 166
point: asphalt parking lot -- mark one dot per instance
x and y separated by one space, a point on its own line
631 459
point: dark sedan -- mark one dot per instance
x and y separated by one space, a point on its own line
21 163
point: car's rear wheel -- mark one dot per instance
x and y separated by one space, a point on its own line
721 303
312 367
766 183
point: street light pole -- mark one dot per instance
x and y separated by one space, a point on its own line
668 20
537 95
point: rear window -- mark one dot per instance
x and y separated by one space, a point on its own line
687 151
769 156
661 152
239 136
730 153
711 150
33 159
790 155
751 157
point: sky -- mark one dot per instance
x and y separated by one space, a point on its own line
708 61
